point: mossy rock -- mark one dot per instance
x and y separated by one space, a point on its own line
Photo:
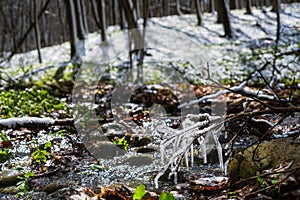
268 155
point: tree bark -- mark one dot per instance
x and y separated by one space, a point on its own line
225 18
178 7
122 17
248 7
218 6
102 19
81 32
166 8
37 31
198 12
72 28
275 4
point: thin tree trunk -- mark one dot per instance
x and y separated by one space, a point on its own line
166 7
275 5
21 41
121 12
212 6
178 7
81 32
96 14
102 19
142 51
84 16
72 28
198 12
218 6
224 8
278 22
37 31
248 7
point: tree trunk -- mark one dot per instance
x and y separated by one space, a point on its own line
212 6
121 12
218 6
225 18
233 4
178 7
278 22
81 32
37 31
73 37
275 6
198 12
101 8
166 7
248 7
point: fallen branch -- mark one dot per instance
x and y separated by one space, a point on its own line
33 122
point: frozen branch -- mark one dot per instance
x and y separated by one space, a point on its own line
181 142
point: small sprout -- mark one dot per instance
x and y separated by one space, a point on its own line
40 155
122 143
166 196
139 192
260 180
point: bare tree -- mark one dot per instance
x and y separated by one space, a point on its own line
102 19
248 7
275 5
72 28
37 31
198 12
224 15
178 7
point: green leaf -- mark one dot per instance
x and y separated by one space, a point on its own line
260 180
29 174
47 145
139 192
166 196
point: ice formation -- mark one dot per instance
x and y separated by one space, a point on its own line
178 144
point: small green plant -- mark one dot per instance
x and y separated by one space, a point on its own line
232 194
140 193
40 155
5 152
122 143
276 180
23 184
260 180
166 196
5 155
30 102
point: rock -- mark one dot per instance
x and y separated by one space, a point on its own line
9 190
269 155
9 178
102 149
139 160
53 187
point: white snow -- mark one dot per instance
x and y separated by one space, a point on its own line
13 122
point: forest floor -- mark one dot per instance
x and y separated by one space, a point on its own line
58 162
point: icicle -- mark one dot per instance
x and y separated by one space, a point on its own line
226 167
192 155
202 144
186 157
203 150
219 149
162 153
